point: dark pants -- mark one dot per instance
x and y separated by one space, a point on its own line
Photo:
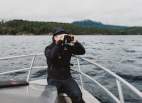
70 87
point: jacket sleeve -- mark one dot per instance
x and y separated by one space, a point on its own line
78 49
53 53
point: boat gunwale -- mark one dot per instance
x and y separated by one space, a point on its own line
119 79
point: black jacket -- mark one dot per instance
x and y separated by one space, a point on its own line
58 59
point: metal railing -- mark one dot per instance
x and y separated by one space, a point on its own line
119 80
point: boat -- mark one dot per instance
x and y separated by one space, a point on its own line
38 90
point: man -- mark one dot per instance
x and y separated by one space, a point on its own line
58 55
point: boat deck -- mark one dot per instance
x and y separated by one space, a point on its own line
35 93
39 92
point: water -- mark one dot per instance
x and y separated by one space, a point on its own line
121 54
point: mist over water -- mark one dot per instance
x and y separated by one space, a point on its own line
121 54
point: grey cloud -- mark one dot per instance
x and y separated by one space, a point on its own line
120 12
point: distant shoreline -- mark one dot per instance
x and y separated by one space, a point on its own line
75 35
21 27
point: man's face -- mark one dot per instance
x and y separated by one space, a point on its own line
59 37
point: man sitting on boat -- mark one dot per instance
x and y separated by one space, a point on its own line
58 55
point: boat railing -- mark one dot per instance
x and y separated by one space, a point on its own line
119 80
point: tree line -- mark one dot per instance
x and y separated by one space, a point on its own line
19 27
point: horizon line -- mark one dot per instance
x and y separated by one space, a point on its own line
5 20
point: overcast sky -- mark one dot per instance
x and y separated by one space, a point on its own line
118 12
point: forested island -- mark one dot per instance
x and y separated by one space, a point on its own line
24 27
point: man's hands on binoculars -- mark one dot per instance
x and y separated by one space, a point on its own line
60 39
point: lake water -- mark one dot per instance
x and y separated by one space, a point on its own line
121 54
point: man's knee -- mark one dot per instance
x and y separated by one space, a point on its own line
76 93
77 99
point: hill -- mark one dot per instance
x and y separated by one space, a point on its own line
94 24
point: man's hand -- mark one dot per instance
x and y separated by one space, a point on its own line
71 43
75 40
59 38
